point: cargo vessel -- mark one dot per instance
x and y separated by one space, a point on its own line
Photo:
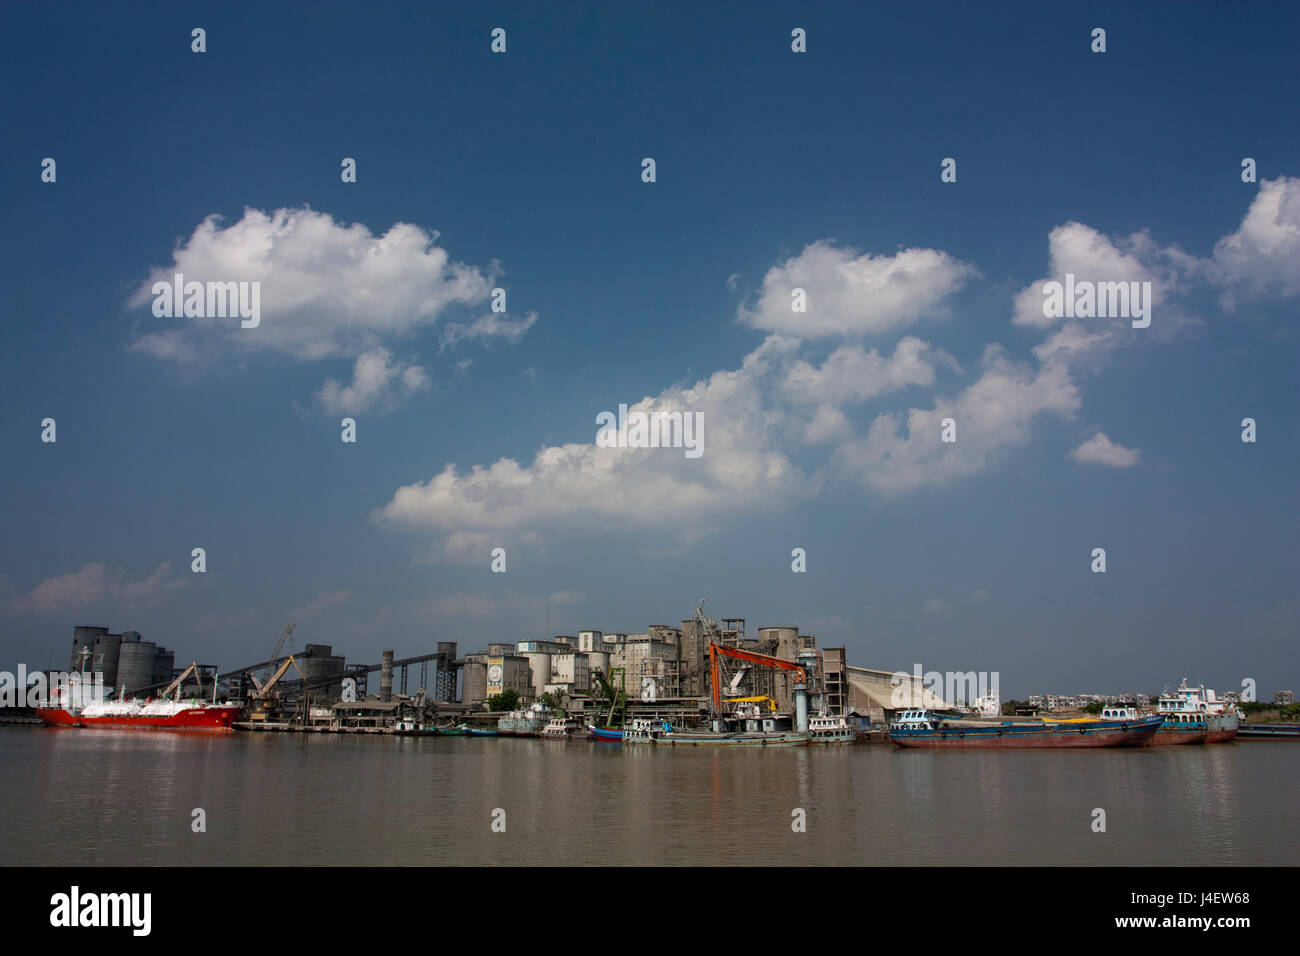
67 710
164 714
933 731
1195 715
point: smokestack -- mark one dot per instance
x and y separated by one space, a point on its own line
386 677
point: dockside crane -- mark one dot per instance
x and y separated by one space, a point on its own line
717 650
263 703
286 634
175 685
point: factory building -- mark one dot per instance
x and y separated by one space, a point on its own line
507 671
652 666
571 672
878 695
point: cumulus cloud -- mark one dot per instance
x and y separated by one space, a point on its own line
377 381
327 288
852 374
740 468
782 397
1092 257
1263 256
992 414
852 293
1100 450
95 583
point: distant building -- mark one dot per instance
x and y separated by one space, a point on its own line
1283 698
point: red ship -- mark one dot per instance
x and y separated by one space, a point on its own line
153 713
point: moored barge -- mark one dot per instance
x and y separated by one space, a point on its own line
927 730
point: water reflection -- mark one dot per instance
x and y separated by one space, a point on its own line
126 798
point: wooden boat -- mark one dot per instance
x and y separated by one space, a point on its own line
612 734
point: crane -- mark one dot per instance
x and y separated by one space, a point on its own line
176 684
751 700
286 634
265 688
716 650
265 706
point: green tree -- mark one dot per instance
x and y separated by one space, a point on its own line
506 700
1094 708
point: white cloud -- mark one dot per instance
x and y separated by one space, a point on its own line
992 414
828 424
376 381
1093 257
94 583
1100 450
659 488
493 325
1263 256
852 374
851 293
935 606
327 289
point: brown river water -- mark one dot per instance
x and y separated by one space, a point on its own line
90 797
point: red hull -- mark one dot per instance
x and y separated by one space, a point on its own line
194 718
1037 742
1221 736
1166 738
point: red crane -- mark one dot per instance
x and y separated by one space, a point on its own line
715 649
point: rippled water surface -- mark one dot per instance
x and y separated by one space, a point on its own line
127 797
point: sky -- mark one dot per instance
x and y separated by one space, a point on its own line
774 171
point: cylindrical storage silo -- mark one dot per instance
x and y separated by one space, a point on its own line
105 660
135 660
787 641
83 639
539 665
164 664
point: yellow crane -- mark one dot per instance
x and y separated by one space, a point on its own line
751 700
263 705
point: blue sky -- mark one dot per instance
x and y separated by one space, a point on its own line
774 169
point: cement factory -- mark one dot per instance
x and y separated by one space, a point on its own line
683 675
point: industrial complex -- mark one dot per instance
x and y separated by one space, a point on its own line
666 673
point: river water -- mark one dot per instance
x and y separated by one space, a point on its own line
75 797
